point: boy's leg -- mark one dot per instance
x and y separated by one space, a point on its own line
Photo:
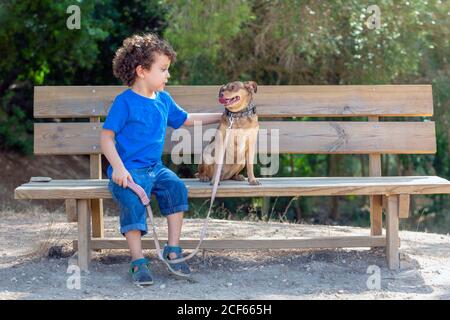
172 196
132 213
133 224
134 243
174 223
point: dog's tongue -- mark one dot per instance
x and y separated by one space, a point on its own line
223 100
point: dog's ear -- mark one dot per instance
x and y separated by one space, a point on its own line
251 86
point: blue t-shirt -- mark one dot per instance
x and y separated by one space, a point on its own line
139 124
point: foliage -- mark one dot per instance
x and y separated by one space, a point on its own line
38 49
323 42
271 42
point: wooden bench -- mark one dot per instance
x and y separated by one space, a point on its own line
368 136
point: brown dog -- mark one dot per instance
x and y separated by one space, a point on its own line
240 151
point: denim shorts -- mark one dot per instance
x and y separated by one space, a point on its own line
169 189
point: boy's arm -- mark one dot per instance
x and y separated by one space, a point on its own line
120 174
206 118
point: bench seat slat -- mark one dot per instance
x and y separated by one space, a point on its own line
271 101
311 137
291 186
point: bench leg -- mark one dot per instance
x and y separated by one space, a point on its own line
376 217
84 234
71 210
403 206
97 218
392 253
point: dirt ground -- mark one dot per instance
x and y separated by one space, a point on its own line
31 267
29 270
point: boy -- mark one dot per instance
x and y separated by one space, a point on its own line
132 140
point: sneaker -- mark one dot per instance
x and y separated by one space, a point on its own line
142 274
180 269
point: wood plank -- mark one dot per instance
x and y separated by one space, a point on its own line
271 101
322 242
71 210
290 186
67 138
384 202
392 253
311 137
84 235
403 206
375 165
376 208
265 208
97 218
95 164
376 216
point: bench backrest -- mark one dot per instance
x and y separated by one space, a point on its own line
276 105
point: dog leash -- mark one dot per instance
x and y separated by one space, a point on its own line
146 202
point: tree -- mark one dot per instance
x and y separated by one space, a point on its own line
38 49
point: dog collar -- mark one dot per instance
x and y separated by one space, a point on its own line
251 109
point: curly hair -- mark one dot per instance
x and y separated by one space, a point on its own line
139 50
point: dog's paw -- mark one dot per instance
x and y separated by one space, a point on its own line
254 182
204 178
212 183
238 177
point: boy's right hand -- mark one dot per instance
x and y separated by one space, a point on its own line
121 176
